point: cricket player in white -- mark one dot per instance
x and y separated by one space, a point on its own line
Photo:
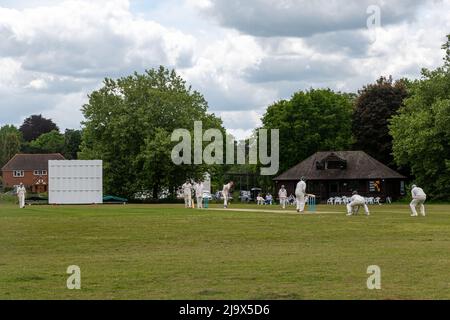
259 200
419 197
199 194
187 194
226 192
282 194
356 201
300 194
21 192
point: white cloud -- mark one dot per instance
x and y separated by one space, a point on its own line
200 4
37 84
219 71
10 69
67 110
242 57
65 48
89 39
302 17
240 134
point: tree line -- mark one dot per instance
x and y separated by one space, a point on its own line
38 135
128 124
402 123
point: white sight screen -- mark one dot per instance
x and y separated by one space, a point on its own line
75 181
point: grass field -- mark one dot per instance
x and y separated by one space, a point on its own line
167 252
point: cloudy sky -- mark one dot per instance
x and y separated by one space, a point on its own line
241 55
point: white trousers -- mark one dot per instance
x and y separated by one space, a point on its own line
300 202
187 200
418 202
199 202
283 202
21 201
355 204
225 200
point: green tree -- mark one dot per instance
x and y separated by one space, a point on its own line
310 121
51 142
129 123
155 153
10 143
374 107
421 130
72 142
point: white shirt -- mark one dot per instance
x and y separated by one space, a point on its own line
301 188
282 193
199 189
226 188
21 191
418 193
187 187
358 199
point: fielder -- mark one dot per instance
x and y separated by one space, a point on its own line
259 200
357 201
199 194
225 192
282 194
419 197
300 193
21 192
187 194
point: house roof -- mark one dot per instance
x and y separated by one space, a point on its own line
359 166
29 162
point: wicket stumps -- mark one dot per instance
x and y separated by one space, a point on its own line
312 203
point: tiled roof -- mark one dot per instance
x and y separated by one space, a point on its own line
29 162
359 166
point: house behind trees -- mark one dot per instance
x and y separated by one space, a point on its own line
29 169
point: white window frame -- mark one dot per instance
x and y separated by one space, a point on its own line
40 172
18 173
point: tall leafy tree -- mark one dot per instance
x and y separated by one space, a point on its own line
311 121
375 105
421 130
128 125
36 125
155 153
51 142
10 143
72 142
